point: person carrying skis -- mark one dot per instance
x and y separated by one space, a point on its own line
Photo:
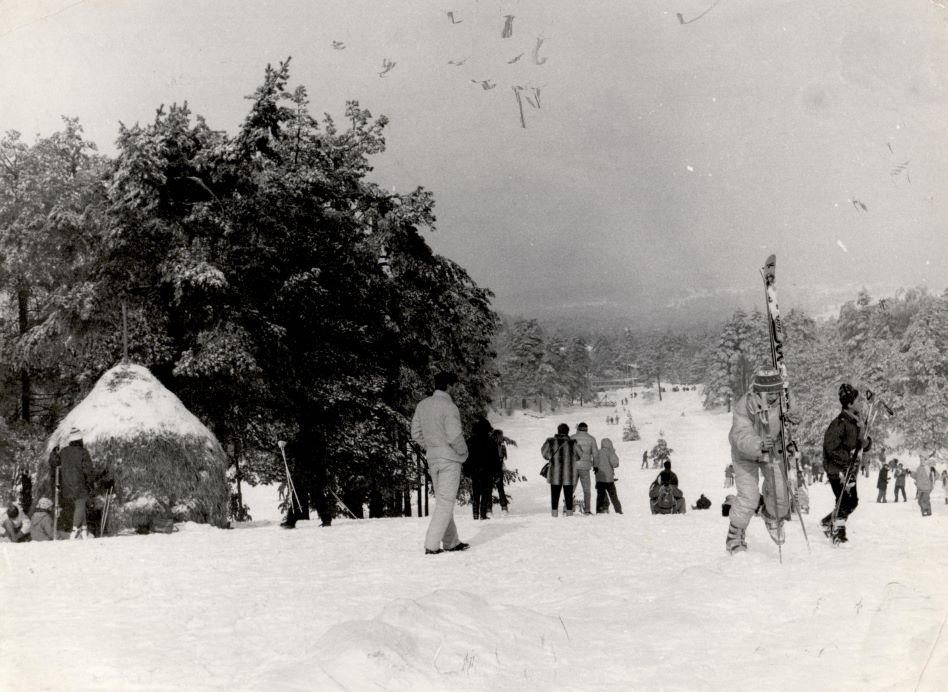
754 439
842 441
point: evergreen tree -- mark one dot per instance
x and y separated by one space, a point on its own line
660 452
629 432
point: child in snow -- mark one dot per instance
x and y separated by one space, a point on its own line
606 464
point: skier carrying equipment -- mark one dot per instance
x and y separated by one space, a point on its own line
754 437
843 440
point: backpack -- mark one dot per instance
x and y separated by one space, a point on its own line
663 498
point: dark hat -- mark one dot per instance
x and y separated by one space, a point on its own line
767 380
562 429
847 394
582 426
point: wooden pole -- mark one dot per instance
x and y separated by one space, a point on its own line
124 333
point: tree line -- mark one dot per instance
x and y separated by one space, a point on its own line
262 278
896 346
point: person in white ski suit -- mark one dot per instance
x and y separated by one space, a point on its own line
589 452
754 438
436 427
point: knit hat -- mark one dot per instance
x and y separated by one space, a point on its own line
44 503
847 394
582 426
767 380
75 434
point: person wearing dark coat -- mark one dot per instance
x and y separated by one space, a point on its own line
75 477
883 483
562 452
482 466
502 454
702 503
900 474
842 440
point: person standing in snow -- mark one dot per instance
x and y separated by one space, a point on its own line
843 439
606 464
729 475
900 482
923 486
589 454
882 484
562 451
502 455
75 475
41 523
644 460
754 439
944 484
482 467
436 427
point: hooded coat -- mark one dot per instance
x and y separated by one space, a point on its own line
41 525
483 458
75 473
608 462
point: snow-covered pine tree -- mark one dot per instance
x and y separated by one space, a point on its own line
660 453
629 432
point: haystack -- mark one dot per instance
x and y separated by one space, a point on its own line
165 463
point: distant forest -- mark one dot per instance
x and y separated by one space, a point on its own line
897 347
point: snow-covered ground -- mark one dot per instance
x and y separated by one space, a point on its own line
605 602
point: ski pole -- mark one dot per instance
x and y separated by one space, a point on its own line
55 502
289 479
105 512
343 504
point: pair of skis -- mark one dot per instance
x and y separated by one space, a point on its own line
776 333
850 476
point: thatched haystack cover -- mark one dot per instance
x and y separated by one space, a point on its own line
164 461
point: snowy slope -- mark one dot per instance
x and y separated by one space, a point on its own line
630 602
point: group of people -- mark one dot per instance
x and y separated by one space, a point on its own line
756 440
71 474
571 461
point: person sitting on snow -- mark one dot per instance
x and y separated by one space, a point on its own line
664 495
41 523
13 526
702 503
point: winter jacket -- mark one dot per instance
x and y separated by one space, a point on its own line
900 478
75 473
923 477
563 453
483 461
840 441
883 481
41 526
436 426
588 449
748 427
607 463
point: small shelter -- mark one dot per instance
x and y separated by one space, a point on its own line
165 464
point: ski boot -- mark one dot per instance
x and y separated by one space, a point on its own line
735 539
776 530
827 525
839 532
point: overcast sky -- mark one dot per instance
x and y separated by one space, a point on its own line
663 157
